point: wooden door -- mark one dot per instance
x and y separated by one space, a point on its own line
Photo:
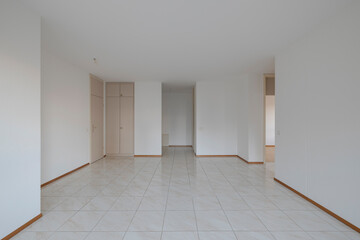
112 125
97 118
126 125
120 119
127 89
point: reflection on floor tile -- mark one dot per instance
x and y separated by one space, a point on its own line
176 197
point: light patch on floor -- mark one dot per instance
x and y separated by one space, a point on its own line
270 154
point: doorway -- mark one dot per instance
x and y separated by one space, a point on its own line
97 118
177 115
269 110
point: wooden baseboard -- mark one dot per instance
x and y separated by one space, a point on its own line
215 155
269 145
22 227
44 184
147 155
230 156
320 206
180 145
248 161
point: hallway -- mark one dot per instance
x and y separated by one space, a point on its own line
180 197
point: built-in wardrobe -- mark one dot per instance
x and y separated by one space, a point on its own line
119 119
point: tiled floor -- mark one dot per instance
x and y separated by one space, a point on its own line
178 197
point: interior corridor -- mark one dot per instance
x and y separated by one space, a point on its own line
180 197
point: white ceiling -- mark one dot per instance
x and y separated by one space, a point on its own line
176 40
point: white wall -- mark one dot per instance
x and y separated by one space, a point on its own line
148 103
194 120
178 117
270 120
164 121
243 119
318 147
20 116
250 126
256 118
65 117
230 117
216 118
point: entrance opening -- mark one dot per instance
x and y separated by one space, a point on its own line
269 100
177 115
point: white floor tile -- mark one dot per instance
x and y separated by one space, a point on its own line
51 221
206 203
328 235
147 221
105 236
126 203
32 236
212 221
69 236
276 220
72 203
82 221
180 221
175 197
99 203
309 221
179 236
291 236
217 236
118 221
244 221
142 236
254 236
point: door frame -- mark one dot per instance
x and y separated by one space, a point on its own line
266 75
91 76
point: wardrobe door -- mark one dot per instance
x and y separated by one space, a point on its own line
97 118
112 89
112 118
127 89
126 125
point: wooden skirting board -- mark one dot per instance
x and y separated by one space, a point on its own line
215 155
320 206
22 227
147 155
44 184
180 145
269 145
248 161
230 156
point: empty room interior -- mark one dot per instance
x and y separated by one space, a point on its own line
180 120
